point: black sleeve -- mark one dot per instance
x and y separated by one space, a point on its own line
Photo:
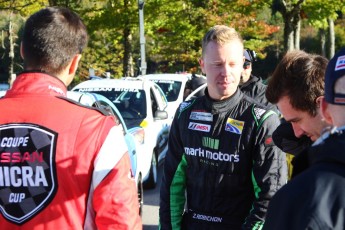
269 171
285 139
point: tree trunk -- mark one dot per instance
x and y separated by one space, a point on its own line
128 69
297 33
291 15
331 38
323 42
52 2
288 35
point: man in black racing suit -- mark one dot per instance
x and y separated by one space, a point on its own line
222 167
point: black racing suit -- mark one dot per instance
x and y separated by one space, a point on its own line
222 168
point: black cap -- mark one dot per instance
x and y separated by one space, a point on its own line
247 56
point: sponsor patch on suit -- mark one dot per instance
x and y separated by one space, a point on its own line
199 127
201 116
234 126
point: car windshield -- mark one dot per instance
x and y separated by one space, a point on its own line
131 104
170 88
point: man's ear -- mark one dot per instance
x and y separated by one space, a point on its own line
324 111
74 64
202 65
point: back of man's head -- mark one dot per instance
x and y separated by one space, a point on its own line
300 77
51 38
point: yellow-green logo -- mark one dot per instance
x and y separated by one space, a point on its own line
234 126
210 143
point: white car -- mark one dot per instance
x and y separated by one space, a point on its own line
173 86
142 106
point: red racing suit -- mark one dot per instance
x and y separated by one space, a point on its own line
62 165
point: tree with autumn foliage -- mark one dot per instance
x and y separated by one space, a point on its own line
174 29
177 27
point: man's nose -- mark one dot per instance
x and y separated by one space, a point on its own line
227 70
297 130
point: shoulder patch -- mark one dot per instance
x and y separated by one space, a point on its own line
184 105
260 114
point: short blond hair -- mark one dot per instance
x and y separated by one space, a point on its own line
220 34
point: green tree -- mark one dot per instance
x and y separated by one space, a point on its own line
322 14
290 11
12 18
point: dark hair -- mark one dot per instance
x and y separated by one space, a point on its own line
51 38
300 76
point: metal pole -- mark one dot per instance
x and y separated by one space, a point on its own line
143 65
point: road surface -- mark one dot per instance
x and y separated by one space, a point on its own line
151 205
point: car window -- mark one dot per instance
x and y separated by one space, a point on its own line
162 100
130 103
170 88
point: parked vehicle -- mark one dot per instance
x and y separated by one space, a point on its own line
142 106
132 136
174 87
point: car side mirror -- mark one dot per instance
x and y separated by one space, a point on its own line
161 115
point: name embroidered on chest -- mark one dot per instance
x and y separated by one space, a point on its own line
234 126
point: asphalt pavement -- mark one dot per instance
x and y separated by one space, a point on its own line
151 205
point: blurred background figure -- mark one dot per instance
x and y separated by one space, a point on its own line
193 84
251 85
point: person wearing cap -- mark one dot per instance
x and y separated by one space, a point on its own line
315 199
251 85
192 84
296 87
